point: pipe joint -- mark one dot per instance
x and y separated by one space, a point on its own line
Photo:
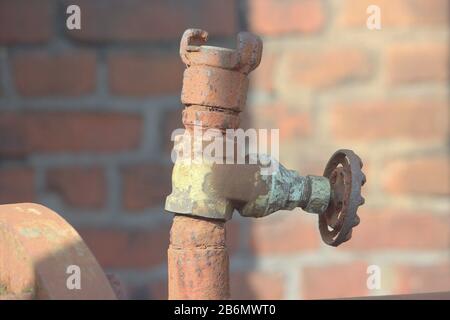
214 190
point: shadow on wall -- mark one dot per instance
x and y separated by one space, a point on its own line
331 83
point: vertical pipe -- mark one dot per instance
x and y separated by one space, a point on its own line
198 259
214 91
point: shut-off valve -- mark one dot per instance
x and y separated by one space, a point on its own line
214 93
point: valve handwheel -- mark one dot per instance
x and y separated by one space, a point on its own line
346 178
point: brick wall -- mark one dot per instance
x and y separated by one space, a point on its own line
86 116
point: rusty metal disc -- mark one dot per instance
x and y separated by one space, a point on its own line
38 250
346 178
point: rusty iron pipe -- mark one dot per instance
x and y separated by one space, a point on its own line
198 259
214 91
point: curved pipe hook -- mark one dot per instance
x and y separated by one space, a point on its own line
190 42
249 47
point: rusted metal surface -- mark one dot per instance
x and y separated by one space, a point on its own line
117 286
214 92
198 259
215 81
346 178
36 248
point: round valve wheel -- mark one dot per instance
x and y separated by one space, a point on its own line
346 178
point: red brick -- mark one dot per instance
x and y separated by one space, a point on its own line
418 119
276 17
256 286
398 13
418 176
263 76
132 74
146 186
81 187
422 279
326 67
417 62
140 20
290 233
293 124
16 185
133 249
25 21
313 163
23 133
62 74
334 281
390 229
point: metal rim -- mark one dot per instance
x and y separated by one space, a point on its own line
337 222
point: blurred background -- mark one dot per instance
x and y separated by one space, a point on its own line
86 117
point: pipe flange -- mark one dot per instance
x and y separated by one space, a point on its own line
346 178
319 194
